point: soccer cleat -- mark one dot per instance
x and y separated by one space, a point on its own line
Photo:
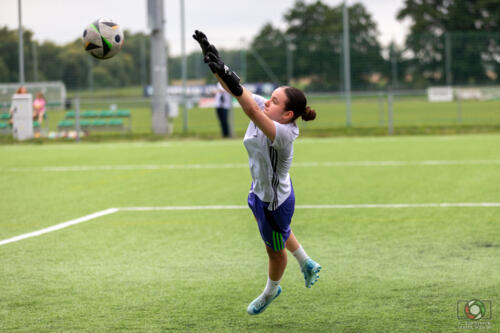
311 272
259 304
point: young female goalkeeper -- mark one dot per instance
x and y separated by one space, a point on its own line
269 142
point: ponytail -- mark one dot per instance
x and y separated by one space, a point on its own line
297 103
309 114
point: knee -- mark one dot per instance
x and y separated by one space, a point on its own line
276 255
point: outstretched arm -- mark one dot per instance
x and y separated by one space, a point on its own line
231 82
256 115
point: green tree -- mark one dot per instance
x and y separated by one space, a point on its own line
75 66
49 62
9 54
267 56
468 28
315 37
137 49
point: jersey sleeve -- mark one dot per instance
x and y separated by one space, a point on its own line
259 100
285 135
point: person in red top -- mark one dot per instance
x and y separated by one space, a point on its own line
20 90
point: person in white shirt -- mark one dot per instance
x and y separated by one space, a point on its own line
223 102
269 142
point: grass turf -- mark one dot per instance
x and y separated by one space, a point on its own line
399 269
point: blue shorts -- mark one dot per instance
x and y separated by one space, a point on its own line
274 225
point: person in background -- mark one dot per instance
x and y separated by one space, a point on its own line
39 107
222 106
20 90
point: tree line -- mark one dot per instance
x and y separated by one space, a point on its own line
450 42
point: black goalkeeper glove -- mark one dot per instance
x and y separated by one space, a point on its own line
217 66
204 44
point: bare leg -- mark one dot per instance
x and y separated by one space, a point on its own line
277 263
292 243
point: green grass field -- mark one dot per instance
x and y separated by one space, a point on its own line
367 113
385 268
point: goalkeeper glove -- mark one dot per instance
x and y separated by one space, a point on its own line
217 66
204 44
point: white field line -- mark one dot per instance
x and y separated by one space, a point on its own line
358 206
245 165
238 142
60 226
215 207
89 217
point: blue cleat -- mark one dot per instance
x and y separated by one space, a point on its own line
311 272
259 304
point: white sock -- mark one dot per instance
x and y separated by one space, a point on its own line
301 255
271 287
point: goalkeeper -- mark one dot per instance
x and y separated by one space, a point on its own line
269 142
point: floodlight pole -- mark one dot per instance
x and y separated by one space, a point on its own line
21 43
447 43
156 22
183 69
347 64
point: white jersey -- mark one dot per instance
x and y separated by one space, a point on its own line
270 161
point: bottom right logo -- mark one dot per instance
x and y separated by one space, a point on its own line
474 310
475 314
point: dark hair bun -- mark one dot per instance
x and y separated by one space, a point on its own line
309 114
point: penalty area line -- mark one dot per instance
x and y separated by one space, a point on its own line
109 211
60 226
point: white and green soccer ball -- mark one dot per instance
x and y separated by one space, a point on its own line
103 38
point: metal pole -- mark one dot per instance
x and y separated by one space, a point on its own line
184 69
76 102
347 65
91 75
231 119
389 113
159 120
243 60
289 60
381 108
21 44
394 67
35 62
447 41
143 62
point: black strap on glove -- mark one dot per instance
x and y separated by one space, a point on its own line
217 66
229 77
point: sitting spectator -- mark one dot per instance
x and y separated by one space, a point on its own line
39 107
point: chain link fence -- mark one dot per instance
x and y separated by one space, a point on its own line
389 84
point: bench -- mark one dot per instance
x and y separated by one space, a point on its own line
92 120
6 128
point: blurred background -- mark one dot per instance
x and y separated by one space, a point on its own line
397 53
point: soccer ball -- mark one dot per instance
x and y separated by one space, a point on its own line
103 38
